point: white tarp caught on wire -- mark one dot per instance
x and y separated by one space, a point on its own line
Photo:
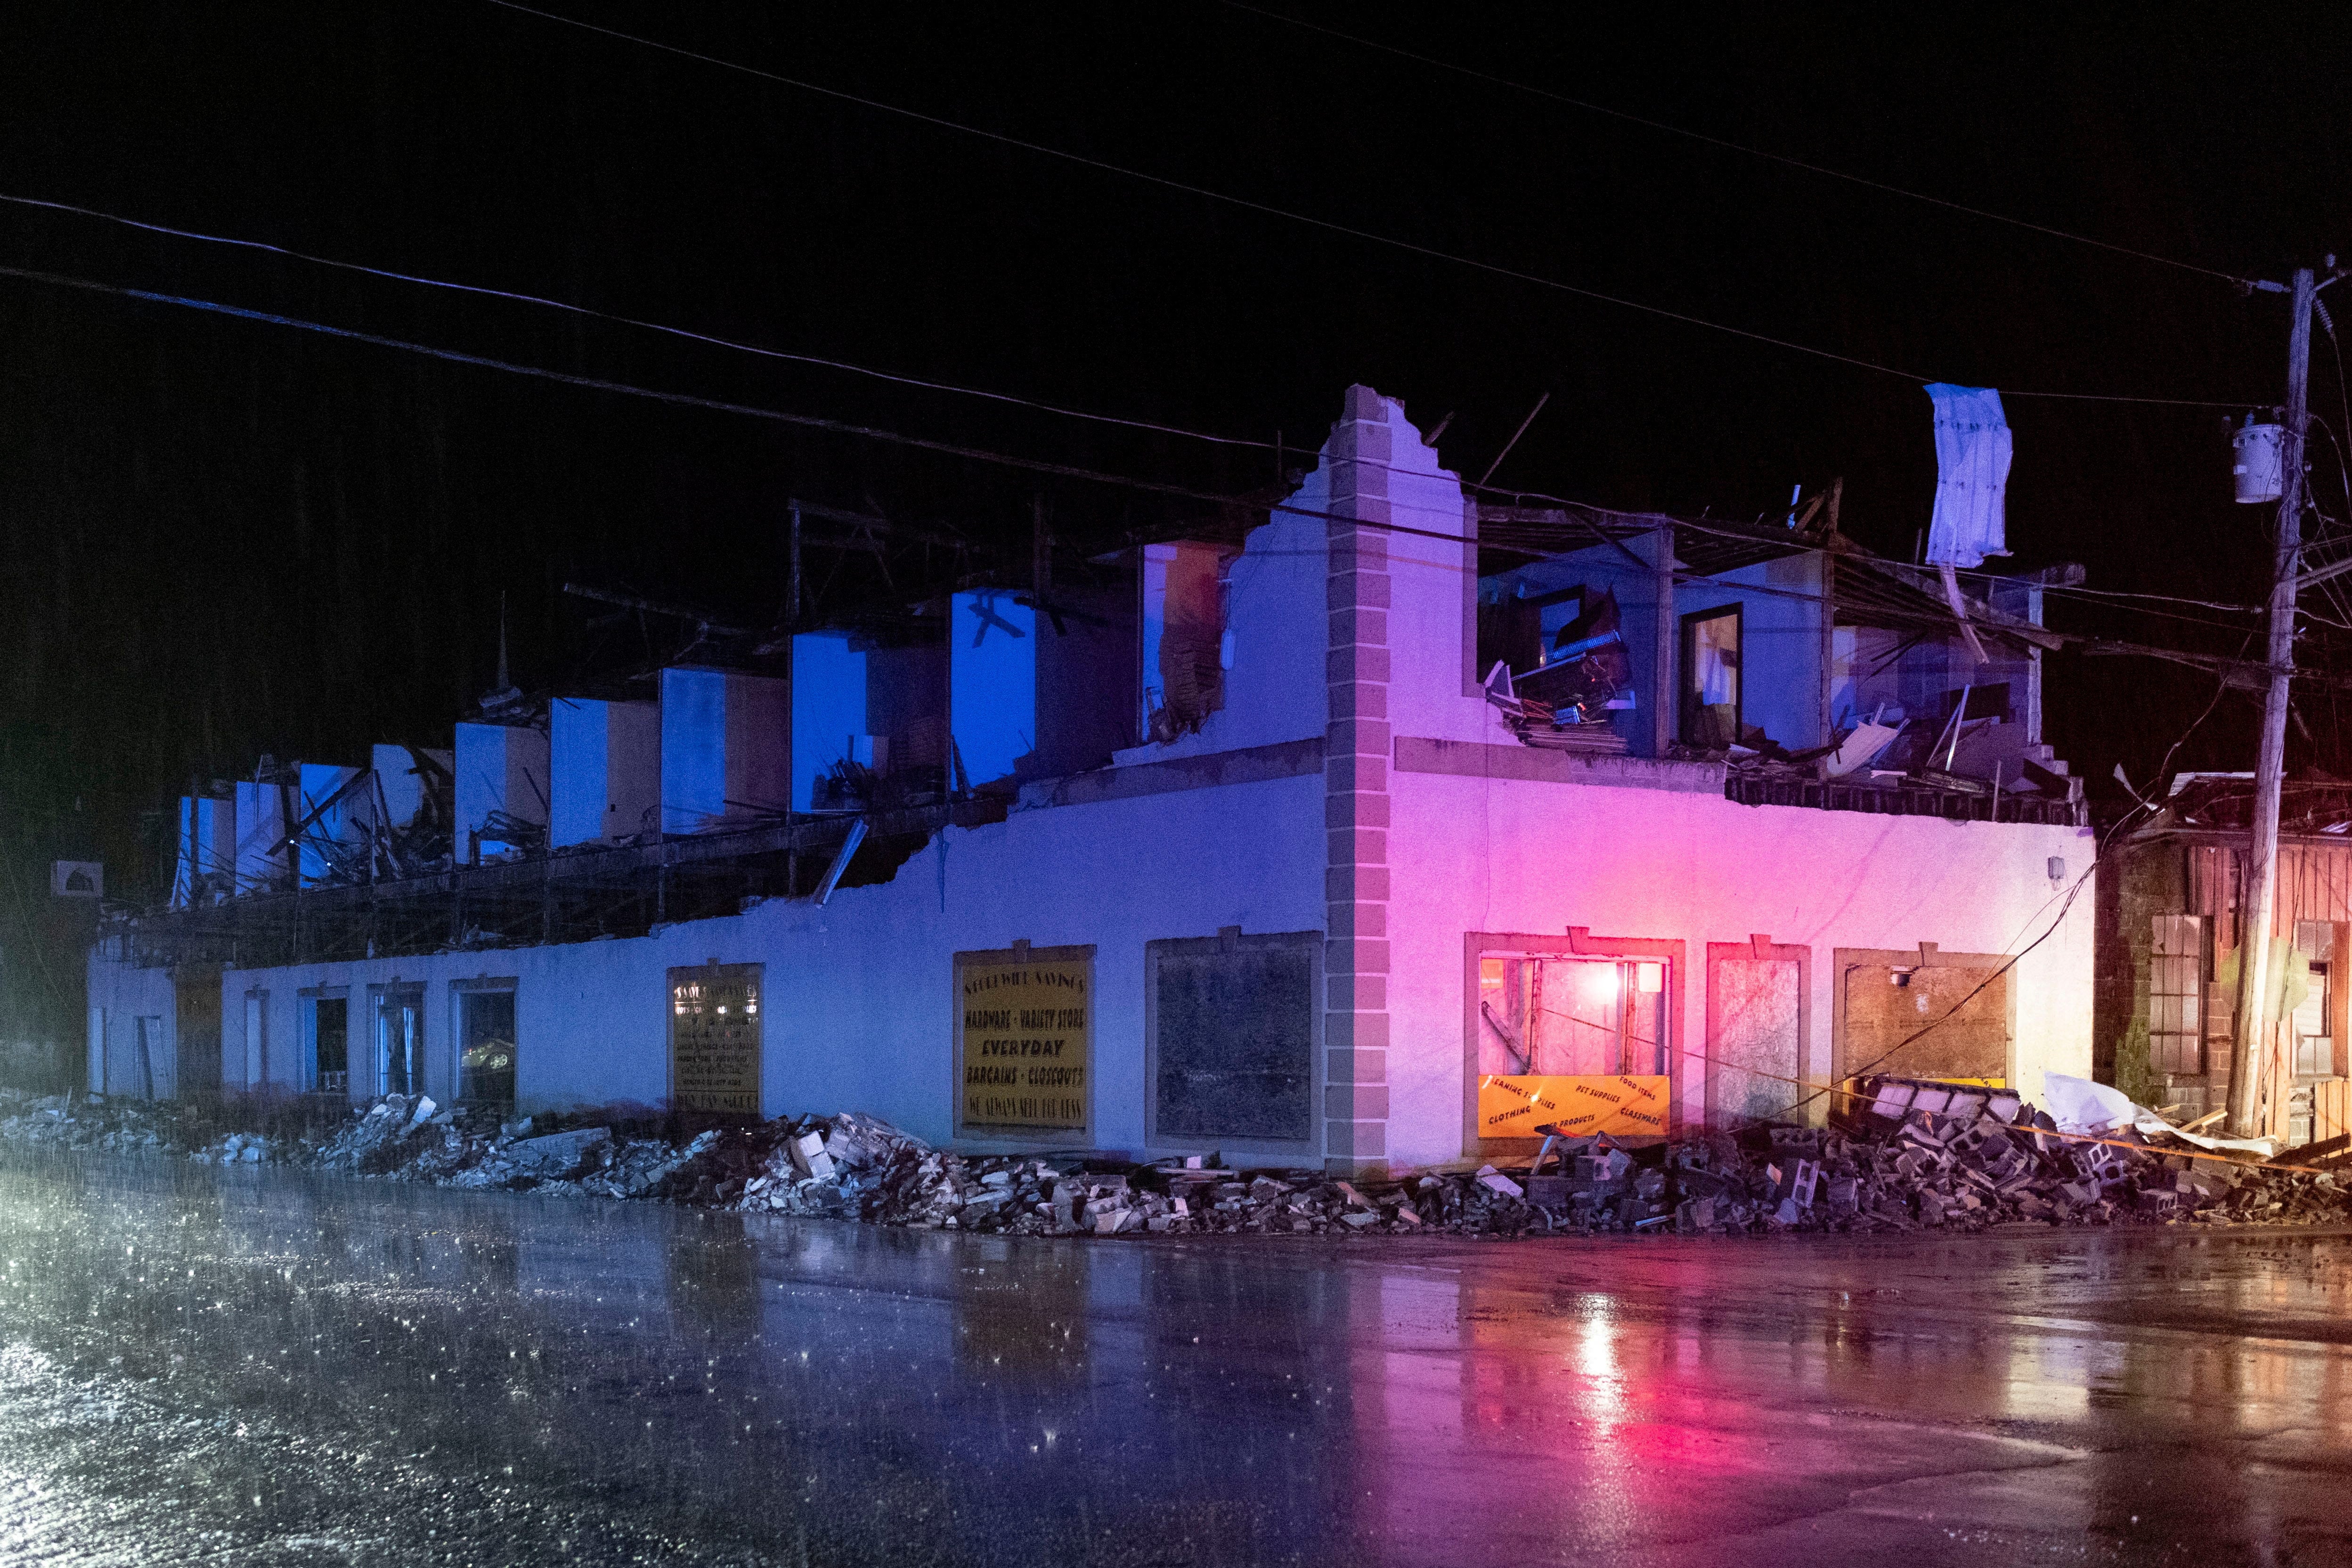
1972 454
1970 520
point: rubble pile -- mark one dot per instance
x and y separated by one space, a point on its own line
1919 1156
414 1140
1911 1155
77 1122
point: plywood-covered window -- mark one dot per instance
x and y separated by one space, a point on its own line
1230 1022
1756 1029
1923 1014
2176 977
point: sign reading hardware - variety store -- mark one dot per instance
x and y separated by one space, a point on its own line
1024 1037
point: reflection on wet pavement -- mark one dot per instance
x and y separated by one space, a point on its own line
273 1367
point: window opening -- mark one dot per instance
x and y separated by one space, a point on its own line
151 1030
1571 1017
256 1043
485 1048
2314 1041
400 1039
329 1047
1711 684
2175 974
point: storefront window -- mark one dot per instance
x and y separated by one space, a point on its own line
1571 1017
485 1048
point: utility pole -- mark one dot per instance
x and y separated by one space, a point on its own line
2250 1050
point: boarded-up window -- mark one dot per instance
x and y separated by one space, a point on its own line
1944 1020
2175 974
1233 1038
1755 1027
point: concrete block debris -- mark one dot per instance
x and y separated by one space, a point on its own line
1987 1161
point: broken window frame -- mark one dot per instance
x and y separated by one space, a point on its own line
2176 959
1580 942
408 998
1689 706
2321 1055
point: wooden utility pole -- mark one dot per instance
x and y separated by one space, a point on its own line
2250 1050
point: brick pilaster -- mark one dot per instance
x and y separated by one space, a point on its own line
1356 805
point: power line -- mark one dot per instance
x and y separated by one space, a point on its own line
1750 536
684 400
587 311
1701 136
953 449
1326 225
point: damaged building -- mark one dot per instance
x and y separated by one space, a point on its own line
2172 938
1380 832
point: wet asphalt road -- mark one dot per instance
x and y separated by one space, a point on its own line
264 1367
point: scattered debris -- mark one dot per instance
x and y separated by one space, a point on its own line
1910 1154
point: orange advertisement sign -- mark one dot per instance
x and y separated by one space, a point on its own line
1517 1107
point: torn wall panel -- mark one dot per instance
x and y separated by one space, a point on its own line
501 796
605 765
726 748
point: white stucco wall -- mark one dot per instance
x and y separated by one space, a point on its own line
1522 856
859 998
120 996
860 993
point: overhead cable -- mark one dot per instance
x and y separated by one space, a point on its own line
1701 136
1326 225
979 454
663 328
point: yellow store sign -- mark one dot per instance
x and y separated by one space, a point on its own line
1519 1106
1024 1037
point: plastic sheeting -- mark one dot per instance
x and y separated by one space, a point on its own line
2079 1105
1972 456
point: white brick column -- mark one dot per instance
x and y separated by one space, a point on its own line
1355 807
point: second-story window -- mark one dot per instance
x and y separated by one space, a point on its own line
1711 694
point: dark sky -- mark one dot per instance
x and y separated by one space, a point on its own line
226 538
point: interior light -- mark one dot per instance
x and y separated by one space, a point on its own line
1602 978
1649 978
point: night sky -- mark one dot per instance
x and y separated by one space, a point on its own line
225 537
